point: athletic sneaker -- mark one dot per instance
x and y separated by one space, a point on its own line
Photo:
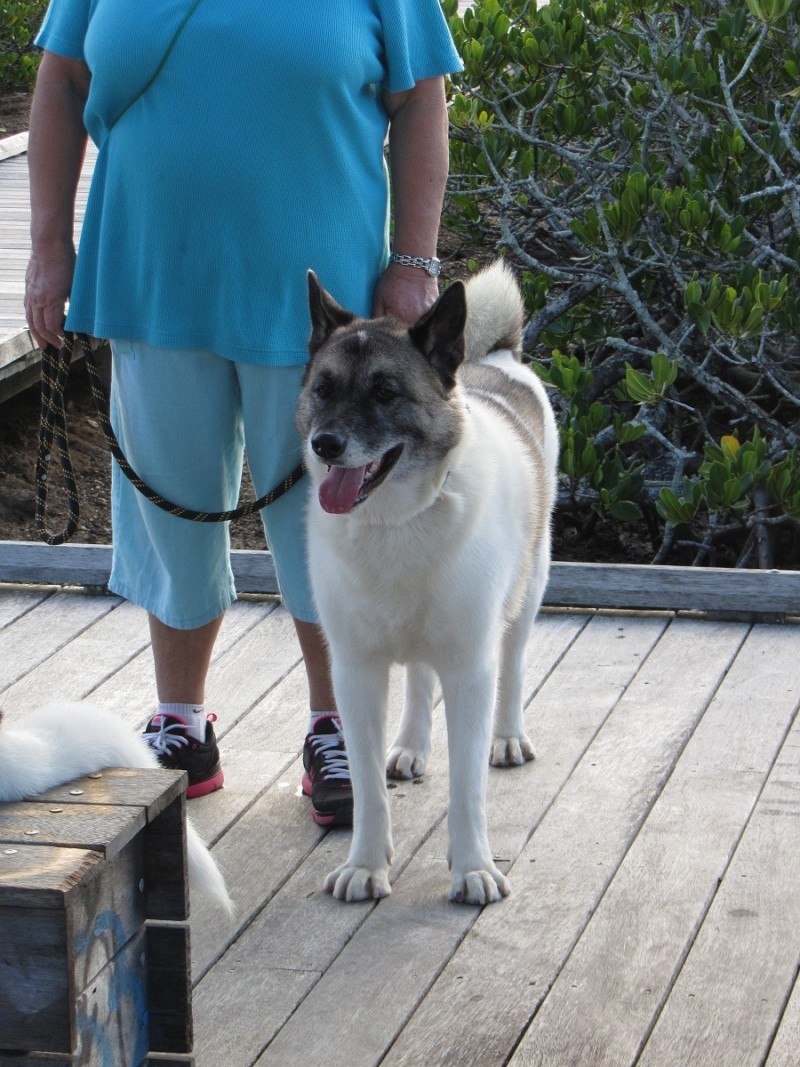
177 750
327 777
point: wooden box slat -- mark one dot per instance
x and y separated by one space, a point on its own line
169 987
40 876
100 827
153 790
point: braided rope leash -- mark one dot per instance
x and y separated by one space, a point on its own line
53 432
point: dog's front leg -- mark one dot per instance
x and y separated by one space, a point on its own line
469 697
412 746
361 694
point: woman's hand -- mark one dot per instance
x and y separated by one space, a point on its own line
48 280
405 292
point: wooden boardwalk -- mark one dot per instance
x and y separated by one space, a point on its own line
653 849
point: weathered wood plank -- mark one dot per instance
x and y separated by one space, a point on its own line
76 564
101 827
514 953
727 1002
705 589
152 789
81 666
13 145
41 875
50 626
618 586
787 1041
606 1000
20 359
16 602
111 1011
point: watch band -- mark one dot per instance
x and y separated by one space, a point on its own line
430 265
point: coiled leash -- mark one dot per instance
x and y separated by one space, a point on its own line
53 432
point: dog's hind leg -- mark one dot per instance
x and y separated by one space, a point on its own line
411 749
511 745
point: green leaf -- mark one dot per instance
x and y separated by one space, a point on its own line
625 510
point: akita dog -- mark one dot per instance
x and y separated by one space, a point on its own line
433 481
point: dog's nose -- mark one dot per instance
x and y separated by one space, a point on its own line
328 446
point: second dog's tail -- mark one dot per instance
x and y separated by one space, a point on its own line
204 874
495 312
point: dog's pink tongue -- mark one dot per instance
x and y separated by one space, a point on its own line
340 489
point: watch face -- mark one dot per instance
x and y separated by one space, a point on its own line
434 268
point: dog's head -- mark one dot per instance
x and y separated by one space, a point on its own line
379 399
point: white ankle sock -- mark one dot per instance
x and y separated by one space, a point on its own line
194 715
315 716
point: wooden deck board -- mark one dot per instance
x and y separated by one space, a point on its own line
652 848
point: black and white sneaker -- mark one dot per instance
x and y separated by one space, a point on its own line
327 774
177 750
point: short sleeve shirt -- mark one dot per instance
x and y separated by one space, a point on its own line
253 155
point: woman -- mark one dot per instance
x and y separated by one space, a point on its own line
239 145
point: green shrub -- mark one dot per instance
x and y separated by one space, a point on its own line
638 161
19 60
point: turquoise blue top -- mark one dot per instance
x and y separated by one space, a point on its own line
256 154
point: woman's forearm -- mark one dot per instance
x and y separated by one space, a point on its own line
418 157
56 147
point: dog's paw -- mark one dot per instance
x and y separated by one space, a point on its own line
358 883
406 762
511 751
478 887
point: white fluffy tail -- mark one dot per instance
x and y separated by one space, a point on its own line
68 740
204 874
495 312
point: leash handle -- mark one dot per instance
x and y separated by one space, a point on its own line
53 427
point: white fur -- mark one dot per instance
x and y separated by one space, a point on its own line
67 740
435 570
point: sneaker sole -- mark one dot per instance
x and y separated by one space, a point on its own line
321 819
210 785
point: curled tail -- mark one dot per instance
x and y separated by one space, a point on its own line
495 313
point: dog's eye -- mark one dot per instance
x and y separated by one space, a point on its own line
384 391
323 387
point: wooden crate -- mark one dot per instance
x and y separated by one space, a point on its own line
94 939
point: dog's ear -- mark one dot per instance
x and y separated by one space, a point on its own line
439 334
326 314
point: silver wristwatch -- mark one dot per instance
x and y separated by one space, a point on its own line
431 266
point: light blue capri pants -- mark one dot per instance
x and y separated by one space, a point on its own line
184 418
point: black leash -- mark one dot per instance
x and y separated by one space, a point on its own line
53 431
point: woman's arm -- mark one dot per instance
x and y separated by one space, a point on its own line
56 147
418 159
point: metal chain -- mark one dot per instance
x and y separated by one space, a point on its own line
53 430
